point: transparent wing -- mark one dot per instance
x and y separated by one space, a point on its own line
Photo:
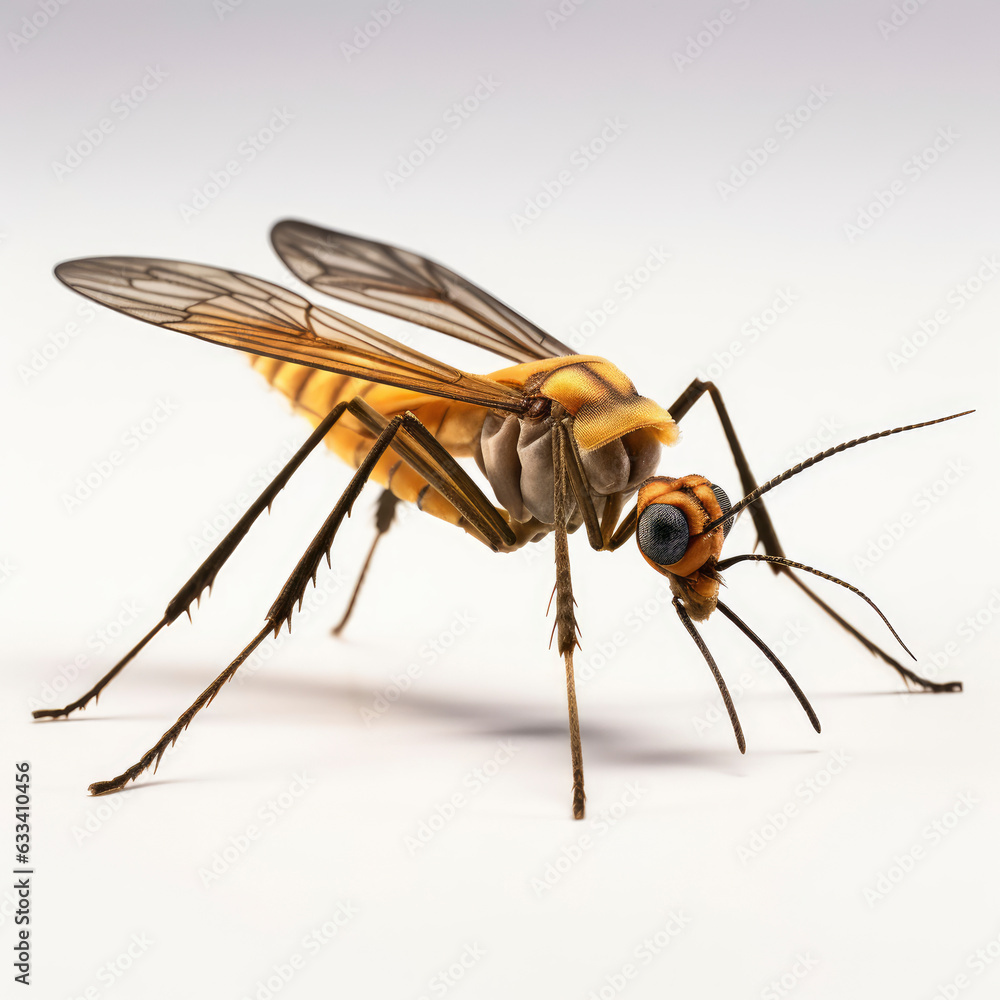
253 315
404 284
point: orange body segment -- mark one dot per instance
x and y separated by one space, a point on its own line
313 393
600 396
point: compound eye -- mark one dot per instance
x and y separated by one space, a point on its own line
662 534
720 495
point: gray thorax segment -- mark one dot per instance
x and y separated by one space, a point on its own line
515 455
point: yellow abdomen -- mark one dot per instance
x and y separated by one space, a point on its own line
313 393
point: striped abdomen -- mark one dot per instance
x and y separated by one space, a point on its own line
313 393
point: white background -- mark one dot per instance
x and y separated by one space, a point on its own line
677 818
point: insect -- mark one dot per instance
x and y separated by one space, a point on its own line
564 440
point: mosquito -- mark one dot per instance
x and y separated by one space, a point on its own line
564 441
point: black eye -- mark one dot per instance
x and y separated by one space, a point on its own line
662 533
720 495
